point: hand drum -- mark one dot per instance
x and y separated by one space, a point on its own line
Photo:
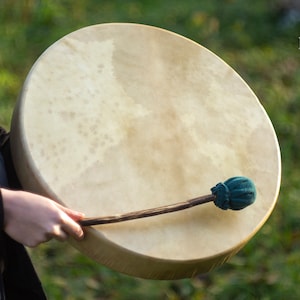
115 118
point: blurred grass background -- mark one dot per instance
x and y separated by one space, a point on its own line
259 39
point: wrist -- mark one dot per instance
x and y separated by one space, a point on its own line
7 206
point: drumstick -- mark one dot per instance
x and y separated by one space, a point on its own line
235 193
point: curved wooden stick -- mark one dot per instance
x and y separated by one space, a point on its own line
147 212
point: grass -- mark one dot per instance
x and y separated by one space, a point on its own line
252 39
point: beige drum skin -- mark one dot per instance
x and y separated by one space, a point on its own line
115 118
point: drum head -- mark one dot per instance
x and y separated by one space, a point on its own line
115 118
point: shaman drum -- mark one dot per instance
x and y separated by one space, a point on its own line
115 118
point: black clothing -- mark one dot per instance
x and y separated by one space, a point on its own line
18 279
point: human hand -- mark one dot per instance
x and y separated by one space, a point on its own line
32 219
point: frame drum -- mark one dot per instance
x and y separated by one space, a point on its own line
115 118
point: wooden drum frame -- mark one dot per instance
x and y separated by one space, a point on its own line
121 117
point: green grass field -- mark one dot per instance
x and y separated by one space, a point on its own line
259 43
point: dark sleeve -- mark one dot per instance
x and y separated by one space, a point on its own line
12 179
4 135
1 212
2 293
18 279
3 178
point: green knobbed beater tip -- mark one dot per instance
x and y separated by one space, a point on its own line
235 193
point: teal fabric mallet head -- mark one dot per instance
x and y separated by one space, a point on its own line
235 193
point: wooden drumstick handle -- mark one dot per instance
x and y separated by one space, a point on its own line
235 193
147 212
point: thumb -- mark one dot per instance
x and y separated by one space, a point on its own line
73 214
